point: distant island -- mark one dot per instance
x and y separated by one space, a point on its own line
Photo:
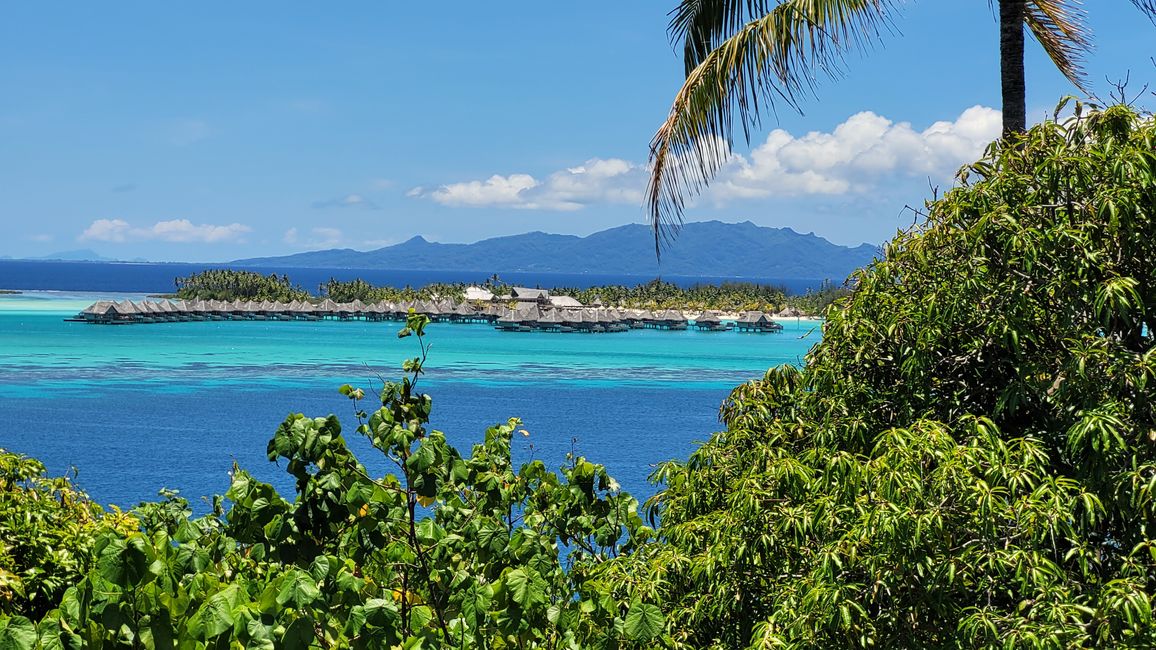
79 255
707 248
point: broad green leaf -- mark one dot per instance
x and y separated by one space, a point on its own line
297 588
17 633
526 588
644 622
216 615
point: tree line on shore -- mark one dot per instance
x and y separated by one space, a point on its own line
232 284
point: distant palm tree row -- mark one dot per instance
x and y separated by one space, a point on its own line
228 284
225 284
744 56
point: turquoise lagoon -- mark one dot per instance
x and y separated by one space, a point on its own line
137 408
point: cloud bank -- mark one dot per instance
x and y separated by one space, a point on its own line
175 230
859 155
598 180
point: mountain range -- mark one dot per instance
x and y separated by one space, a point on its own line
705 248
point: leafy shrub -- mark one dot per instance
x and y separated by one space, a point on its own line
450 551
968 458
47 531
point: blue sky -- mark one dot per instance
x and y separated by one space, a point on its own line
211 131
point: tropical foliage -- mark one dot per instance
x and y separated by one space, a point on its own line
742 58
228 284
968 458
667 295
647 295
358 289
449 551
47 531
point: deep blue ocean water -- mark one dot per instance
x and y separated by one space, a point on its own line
142 407
158 278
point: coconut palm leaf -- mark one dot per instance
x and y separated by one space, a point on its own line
1060 28
774 57
701 25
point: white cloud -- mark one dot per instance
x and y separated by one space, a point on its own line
41 238
859 155
856 156
174 230
114 230
290 236
597 180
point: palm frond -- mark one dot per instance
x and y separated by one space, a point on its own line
1147 6
775 57
701 25
1059 26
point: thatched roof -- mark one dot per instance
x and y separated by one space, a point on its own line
464 309
524 293
478 293
125 308
564 301
527 313
706 317
327 305
357 306
552 317
99 308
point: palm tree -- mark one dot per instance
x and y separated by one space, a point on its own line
743 56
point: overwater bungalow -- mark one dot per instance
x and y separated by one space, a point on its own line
507 321
551 320
756 321
709 322
464 313
528 315
670 319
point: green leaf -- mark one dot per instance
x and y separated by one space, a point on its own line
526 588
125 562
298 588
644 622
17 633
422 458
216 615
298 635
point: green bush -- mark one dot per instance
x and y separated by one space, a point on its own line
968 458
47 531
449 551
